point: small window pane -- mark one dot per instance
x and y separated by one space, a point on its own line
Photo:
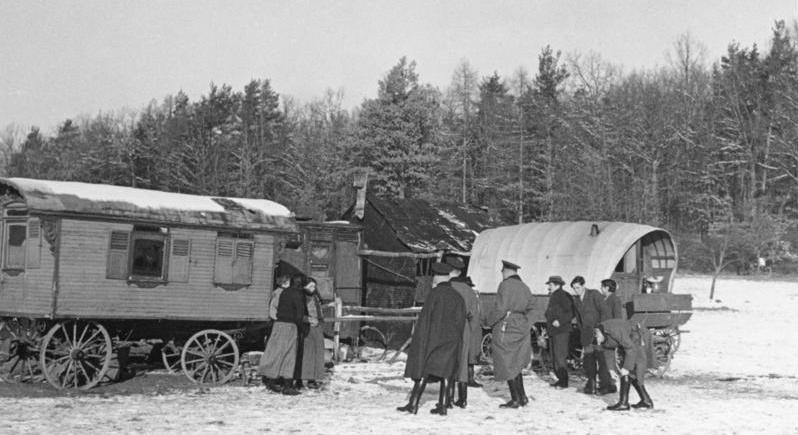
15 255
148 257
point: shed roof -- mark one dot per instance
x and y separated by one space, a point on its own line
426 227
103 200
553 248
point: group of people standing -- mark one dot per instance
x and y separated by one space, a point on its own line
295 348
446 341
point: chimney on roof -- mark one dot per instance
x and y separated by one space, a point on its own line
594 230
360 184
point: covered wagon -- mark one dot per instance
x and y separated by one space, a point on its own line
87 268
628 253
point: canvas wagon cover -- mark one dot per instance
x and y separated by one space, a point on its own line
552 248
103 200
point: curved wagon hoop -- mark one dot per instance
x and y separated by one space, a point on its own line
210 356
75 354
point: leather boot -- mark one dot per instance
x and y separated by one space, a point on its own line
513 403
645 400
462 395
450 392
471 380
409 407
274 385
519 389
562 378
623 400
589 364
440 407
288 387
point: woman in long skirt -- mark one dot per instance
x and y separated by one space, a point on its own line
313 346
277 363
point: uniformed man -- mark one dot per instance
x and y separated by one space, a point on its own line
636 343
434 353
590 311
512 342
472 333
559 314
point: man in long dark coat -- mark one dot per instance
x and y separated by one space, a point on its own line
614 310
472 333
559 314
512 341
590 311
437 342
638 357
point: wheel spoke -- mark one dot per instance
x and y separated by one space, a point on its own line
225 354
204 374
66 335
82 334
194 361
90 339
194 352
227 363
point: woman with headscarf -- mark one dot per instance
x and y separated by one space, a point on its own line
277 363
313 344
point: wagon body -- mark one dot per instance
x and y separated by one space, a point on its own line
625 252
138 263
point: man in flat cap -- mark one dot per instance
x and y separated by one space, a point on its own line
559 314
434 353
512 343
472 332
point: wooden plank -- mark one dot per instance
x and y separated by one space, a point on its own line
377 310
661 302
661 320
352 318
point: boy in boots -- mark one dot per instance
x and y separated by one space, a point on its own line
636 343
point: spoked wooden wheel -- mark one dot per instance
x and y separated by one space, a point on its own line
76 354
20 341
486 353
372 339
210 356
170 355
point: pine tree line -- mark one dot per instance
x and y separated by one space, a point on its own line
684 146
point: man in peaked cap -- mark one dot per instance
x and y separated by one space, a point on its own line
472 332
435 351
512 344
559 314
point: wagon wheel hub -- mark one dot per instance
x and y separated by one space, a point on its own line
77 354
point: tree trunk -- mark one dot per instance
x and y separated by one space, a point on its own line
712 286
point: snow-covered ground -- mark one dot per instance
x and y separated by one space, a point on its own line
736 372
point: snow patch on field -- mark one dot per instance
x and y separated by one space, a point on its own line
734 373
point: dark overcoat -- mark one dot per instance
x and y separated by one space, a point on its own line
438 335
473 336
560 308
635 341
512 342
590 311
614 307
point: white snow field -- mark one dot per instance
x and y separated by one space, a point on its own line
736 373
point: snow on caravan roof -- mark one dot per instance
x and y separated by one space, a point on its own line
74 198
553 248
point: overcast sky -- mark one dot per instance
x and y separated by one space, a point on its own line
59 59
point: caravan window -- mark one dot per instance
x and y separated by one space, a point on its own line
15 245
148 255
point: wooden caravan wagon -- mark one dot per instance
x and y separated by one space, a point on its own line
625 252
87 268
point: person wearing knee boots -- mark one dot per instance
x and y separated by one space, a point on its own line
512 342
635 341
435 349
472 333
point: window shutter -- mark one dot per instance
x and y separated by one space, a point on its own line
179 260
242 263
33 245
223 267
118 248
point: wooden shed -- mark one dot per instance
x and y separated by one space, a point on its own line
107 252
402 238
